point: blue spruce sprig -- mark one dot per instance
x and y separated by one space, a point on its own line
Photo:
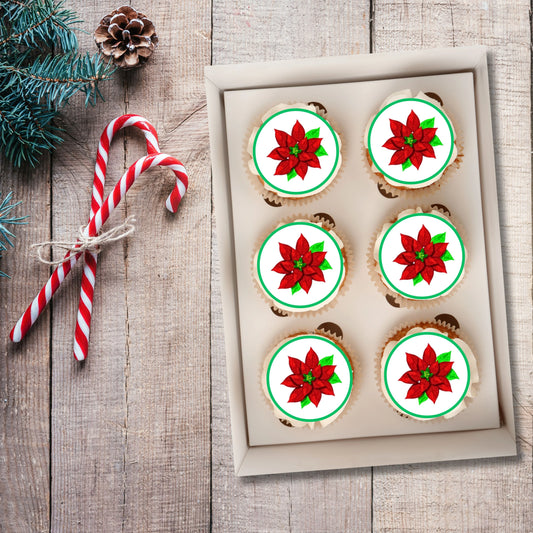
40 70
7 220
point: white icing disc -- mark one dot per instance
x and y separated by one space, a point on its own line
300 266
296 152
421 256
309 378
426 375
411 142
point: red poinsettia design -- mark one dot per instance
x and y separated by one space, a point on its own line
429 375
301 265
412 141
423 256
297 151
310 379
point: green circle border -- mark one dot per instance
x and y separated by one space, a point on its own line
281 301
435 335
450 286
284 191
402 182
309 337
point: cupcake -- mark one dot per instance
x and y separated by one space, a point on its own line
301 265
295 153
308 378
427 371
410 142
418 256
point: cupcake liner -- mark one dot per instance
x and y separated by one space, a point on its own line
392 297
356 370
454 333
389 191
271 198
326 223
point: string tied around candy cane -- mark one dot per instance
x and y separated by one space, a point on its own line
84 242
97 220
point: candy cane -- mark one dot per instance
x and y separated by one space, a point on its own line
97 221
83 320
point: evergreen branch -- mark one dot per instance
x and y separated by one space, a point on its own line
5 220
38 23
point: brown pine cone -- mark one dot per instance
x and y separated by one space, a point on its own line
127 36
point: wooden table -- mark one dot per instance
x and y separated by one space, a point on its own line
137 438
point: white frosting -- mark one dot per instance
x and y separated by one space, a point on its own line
389 245
448 404
320 292
276 369
378 130
263 141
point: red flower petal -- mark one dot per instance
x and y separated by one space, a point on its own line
445 385
396 128
416 159
318 258
405 258
395 143
286 166
301 169
298 274
433 393
279 153
302 245
416 390
428 151
444 368
296 365
294 380
436 264
281 137
303 144
424 237
398 158
311 359
413 122
311 159
317 371
417 135
411 271
328 371
314 272
306 282
297 395
428 134
440 249
314 144
284 267
324 387
407 242
429 355
298 132
411 377
414 362
289 280
434 367
315 396
427 274
429 248
286 251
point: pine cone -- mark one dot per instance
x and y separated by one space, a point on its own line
127 36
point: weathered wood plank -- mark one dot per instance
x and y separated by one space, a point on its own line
25 367
484 495
167 287
89 399
341 500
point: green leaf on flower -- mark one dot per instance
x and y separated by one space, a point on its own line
428 123
305 401
406 164
447 256
418 279
440 237
296 288
291 174
435 141
444 357
422 398
325 265
326 361
317 247
313 134
321 151
452 375
335 379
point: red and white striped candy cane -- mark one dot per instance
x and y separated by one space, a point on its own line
144 163
83 320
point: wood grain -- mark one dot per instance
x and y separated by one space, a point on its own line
24 367
485 495
280 503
